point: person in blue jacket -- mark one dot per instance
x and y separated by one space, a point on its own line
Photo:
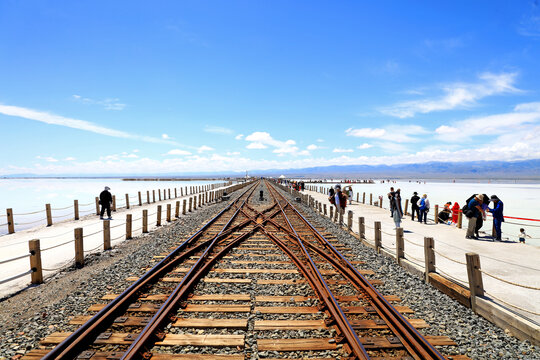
498 217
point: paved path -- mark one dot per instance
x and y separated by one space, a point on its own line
57 241
511 261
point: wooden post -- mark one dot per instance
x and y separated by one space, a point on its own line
320 207
325 212
169 192
79 247
127 201
436 214
349 220
76 209
113 203
184 207
361 227
476 285
97 205
331 213
158 222
168 212
177 210
190 203
153 196
429 256
195 203
459 219
378 236
364 198
159 194
148 196
358 197
128 226
380 201
400 245
370 199
140 199
10 223
493 231
182 192
406 206
145 221
106 235
49 214
35 261
200 199
175 193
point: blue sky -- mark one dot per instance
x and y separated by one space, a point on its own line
120 87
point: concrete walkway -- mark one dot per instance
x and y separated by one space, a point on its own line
513 262
57 241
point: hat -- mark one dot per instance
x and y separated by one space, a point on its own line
415 193
494 197
338 186
107 188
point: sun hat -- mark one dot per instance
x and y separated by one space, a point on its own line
107 188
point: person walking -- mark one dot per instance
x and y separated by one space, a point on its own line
105 199
424 209
414 206
398 211
475 211
498 217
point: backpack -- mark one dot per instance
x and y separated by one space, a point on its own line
466 210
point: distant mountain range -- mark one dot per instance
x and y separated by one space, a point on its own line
524 170
527 169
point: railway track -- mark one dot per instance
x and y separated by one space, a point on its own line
257 281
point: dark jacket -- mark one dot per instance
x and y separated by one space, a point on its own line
105 198
497 211
414 200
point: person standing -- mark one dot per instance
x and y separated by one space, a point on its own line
105 199
424 209
414 206
455 213
340 202
498 217
476 211
390 198
398 211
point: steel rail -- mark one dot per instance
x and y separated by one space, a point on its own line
412 340
330 301
72 345
137 349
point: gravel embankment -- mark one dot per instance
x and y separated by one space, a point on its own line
475 336
31 315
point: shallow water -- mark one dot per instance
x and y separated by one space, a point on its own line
520 200
30 195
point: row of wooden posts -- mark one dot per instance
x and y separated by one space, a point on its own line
192 190
324 190
188 205
474 273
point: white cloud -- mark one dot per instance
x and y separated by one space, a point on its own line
304 153
239 136
523 116
256 145
341 150
365 132
259 139
166 137
108 103
320 140
177 152
394 133
47 158
204 148
312 147
232 153
364 146
217 130
457 95
74 124
69 158
136 150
